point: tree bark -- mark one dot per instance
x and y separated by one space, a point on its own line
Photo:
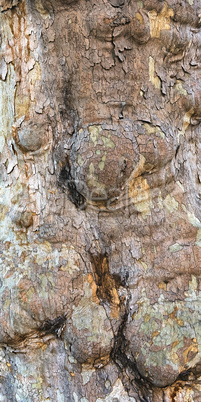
100 228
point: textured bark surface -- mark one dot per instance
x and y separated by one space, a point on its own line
100 222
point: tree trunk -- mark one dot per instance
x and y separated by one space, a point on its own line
100 223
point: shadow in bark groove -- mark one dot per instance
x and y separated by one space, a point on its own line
131 378
67 182
46 331
54 327
107 285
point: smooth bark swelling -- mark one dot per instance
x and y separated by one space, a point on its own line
100 208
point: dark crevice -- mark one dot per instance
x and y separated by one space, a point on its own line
174 393
137 383
50 327
198 178
106 283
54 327
191 374
66 181
9 6
177 150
